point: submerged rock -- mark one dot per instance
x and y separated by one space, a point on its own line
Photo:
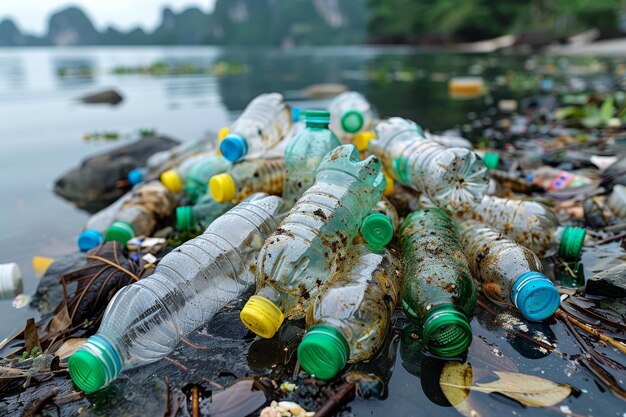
111 97
609 283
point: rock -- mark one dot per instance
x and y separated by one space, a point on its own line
111 97
609 283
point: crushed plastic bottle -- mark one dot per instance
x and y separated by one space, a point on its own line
195 171
93 234
380 225
248 177
350 113
201 214
552 179
304 154
263 123
453 178
139 215
146 320
507 272
306 248
438 290
350 317
532 225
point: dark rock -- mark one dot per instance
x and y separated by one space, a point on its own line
609 283
94 184
111 97
49 293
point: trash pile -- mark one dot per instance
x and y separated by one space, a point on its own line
325 229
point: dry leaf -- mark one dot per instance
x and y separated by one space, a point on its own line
31 338
61 320
69 347
454 380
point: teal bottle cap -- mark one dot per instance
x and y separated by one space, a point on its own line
377 230
447 331
323 352
535 296
352 121
572 240
234 147
316 118
89 239
94 365
491 160
184 218
120 231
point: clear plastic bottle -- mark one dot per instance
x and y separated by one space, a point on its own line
453 178
93 234
531 224
202 214
350 317
197 181
305 152
507 272
380 225
309 244
149 204
263 123
350 113
449 141
438 290
146 320
617 201
175 179
248 177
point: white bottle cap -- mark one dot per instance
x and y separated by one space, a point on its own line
10 280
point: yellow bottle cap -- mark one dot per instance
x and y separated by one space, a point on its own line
222 134
261 316
390 188
41 264
222 187
362 140
172 181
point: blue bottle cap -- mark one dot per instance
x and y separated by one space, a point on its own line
89 239
295 114
135 176
234 147
535 296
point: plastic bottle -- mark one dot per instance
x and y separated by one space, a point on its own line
449 140
380 225
350 113
194 172
306 248
10 280
438 290
202 214
507 272
532 225
93 234
617 201
197 181
248 177
453 178
350 317
553 179
260 127
138 216
305 152
146 320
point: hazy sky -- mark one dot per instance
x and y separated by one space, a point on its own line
32 15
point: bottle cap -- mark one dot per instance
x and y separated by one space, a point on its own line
323 351
223 132
194 191
94 365
491 159
135 176
572 240
447 331
390 188
535 296
295 114
261 316
234 147
184 218
222 187
120 231
352 120
316 118
377 230
89 239
10 279
362 140
172 181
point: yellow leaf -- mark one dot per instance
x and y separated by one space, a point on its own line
69 347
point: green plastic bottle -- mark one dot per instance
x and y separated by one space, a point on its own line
248 177
305 152
350 317
438 290
380 225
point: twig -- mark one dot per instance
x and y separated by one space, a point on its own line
114 265
175 362
611 238
620 346
69 398
34 407
188 343
344 394
195 401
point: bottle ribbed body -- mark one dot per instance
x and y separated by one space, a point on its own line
359 300
453 178
263 175
303 252
148 205
350 113
164 160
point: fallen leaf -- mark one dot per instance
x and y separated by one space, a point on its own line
69 347
455 381
60 321
31 338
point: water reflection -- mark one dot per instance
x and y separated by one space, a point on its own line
74 72
12 73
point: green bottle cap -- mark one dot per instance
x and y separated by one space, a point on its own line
377 230
120 231
491 160
352 121
447 331
94 365
185 218
323 352
316 118
572 240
